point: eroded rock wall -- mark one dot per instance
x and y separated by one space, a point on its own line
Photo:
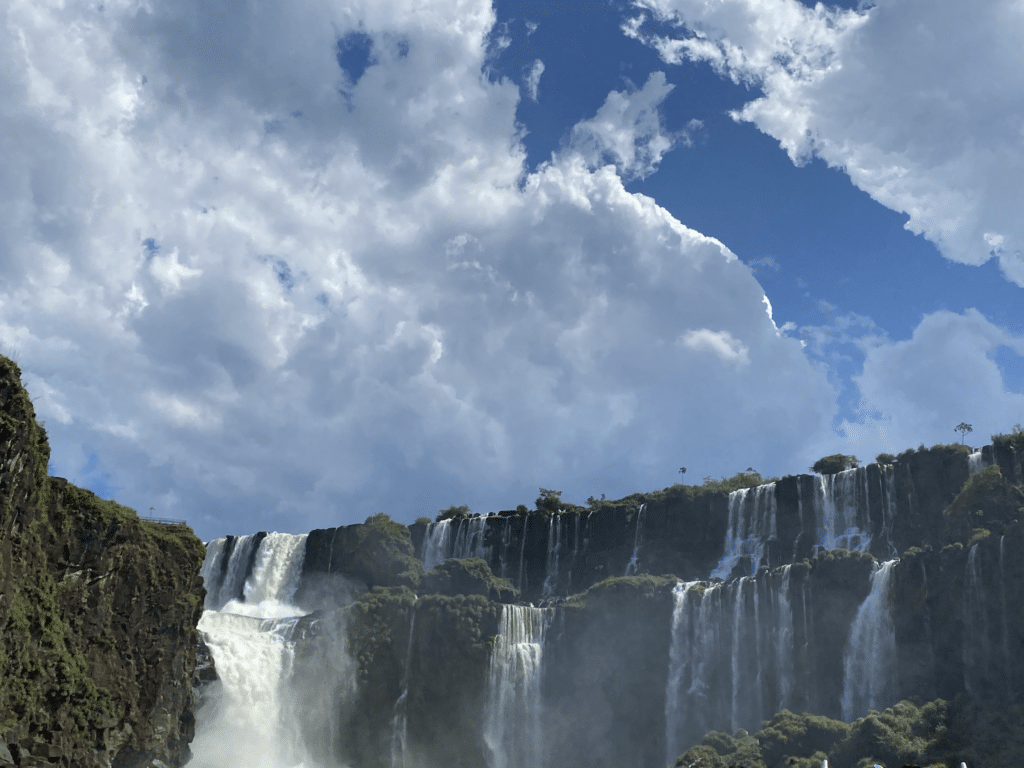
98 611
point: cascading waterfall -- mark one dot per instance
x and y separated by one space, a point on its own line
514 726
400 722
226 582
752 522
275 574
731 657
252 646
435 544
638 540
469 542
555 528
869 661
1005 622
977 649
841 501
976 462
680 663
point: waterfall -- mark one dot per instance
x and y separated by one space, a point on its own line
469 542
680 663
869 661
977 652
435 544
841 506
638 540
1005 622
506 539
513 729
784 637
521 583
731 657
278 567
400 723
250 721
752 521
555 527
889 512
212 570
231 585
976 462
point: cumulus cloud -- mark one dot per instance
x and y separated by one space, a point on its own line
878 94
628 130
944 374
255 288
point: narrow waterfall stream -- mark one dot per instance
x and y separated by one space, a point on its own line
869 661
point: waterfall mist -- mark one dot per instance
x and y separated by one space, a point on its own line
254 714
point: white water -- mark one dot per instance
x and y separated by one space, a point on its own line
976 462
841 506
224 585
680 663
731 645
435 544
977 651
752 521
514 727
400 723
869 661
638 540
469 541
247 721
556 526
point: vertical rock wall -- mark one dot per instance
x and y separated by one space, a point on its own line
98 614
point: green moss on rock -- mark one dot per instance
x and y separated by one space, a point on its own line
469 576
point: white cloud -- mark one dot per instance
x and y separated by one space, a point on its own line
628 131
264 304
720 343
533 79
882 95
917 390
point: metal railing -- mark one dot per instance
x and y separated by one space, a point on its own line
164 520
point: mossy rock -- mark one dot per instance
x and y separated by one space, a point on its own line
469 576
986 500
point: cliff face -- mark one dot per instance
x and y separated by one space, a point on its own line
98 611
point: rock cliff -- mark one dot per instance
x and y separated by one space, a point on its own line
98 611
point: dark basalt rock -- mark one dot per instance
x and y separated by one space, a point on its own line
98 611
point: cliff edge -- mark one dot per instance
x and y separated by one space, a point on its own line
98 611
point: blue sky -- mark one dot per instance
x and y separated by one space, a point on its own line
282 269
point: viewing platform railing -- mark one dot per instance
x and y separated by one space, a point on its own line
164 520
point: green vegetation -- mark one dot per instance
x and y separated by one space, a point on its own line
1013 440
550 501
885 458
469 576
963 428
382 554
622 590
935 735
986 502
452 512
837 462
423 521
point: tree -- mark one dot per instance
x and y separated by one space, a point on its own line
837 462
885 458
452 512
963 428
549 500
